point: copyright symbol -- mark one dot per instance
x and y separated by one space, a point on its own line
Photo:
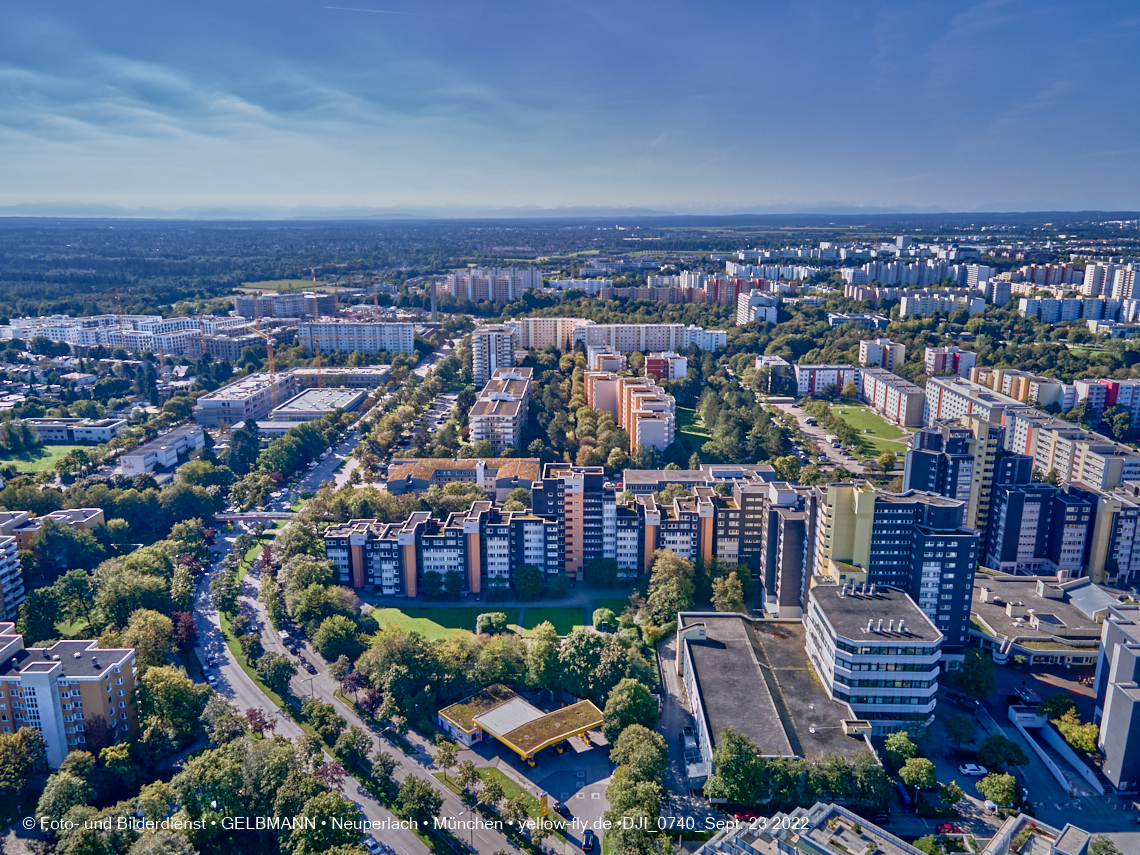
29 822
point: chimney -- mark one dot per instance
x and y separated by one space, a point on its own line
872 589
870 625
879 628
843 591
902 624
891 626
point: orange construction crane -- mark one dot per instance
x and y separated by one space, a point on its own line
256 326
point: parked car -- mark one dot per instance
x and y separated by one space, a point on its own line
588 840
948 828
211 679
308 666
973 770
562 810
369 843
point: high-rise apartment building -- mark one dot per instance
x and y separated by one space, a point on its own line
584 502
307 305
538 333
500 409
913 541
666 366
1037 529
953 397
756 305
881 353
938 361
638 405
892 397
480 284
492 347
1112 551
787 517
60 690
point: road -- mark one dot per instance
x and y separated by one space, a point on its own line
834 456
237 685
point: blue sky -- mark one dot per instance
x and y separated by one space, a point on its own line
686 106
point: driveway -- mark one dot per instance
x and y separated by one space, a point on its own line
834 456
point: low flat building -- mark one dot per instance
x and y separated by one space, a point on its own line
366 377
1045 620
90 431
313 404
645 481
859 638
163 452
784 713
84 519
59 690
247 399
497 475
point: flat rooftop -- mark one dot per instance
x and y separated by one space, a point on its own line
246 387
319 401
75 658
850 614
755 677
166 439
1057 616
523 468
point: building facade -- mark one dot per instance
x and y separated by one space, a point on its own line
492 348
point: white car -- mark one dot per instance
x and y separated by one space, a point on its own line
211 679
369 843
973 770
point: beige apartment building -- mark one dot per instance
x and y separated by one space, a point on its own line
60 690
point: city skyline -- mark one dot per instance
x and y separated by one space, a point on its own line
472 109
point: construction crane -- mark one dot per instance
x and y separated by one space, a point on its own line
256 327
320 379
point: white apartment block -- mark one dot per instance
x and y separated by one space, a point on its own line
627 338
756 306
954 397
1076 454
894 398
942 302
251 397
881 353
590 286
347 336
500 409
480 284
538 333
492 348
812 379
12 591
163 452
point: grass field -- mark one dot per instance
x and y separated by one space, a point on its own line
882 432
440 622
41 459
566 619
489 773
862 418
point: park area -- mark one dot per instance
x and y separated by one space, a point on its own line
883 435
42 459
437 622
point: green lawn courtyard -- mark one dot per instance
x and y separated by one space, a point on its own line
442 621
566 619
40 459
690 431
882 434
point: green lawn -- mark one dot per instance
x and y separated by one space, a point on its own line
616 604
882 432
566 619
510 788
40 459
73 629
693 434
283 285
440 622
862 418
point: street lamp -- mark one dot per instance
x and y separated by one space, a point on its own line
310 679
